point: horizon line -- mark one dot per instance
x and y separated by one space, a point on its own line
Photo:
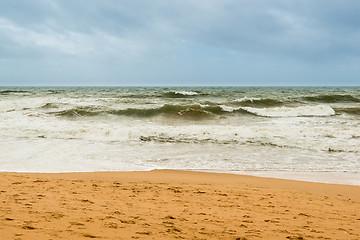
159 86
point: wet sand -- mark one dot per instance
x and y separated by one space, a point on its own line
167 204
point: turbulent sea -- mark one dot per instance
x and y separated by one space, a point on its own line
298 133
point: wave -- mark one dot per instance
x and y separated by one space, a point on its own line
236 110
5 92
140 95
351 111
187 111
199 111
258 102
304 111
53 91
51 105
180 94
332 98
78 112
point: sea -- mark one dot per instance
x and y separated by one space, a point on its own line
301 133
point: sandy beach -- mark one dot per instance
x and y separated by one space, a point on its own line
166 204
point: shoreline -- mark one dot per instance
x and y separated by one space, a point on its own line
339 178
174 204
342 178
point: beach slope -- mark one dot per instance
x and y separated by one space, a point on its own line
168 204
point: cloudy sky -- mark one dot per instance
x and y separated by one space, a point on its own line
179 42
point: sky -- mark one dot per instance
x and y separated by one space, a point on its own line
179 43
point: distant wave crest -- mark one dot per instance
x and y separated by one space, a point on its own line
180 94
5 92
332 98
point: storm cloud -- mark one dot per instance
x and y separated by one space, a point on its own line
179 42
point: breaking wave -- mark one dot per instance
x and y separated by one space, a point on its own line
304 111
258 102
190 111
200 111
187 111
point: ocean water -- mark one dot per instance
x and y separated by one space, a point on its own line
308 134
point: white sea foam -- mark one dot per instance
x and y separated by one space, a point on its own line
229 109
187 93
283 132
295 138
245 99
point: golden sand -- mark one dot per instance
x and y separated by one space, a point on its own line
167 204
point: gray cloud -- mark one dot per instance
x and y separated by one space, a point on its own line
158 39
296 29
